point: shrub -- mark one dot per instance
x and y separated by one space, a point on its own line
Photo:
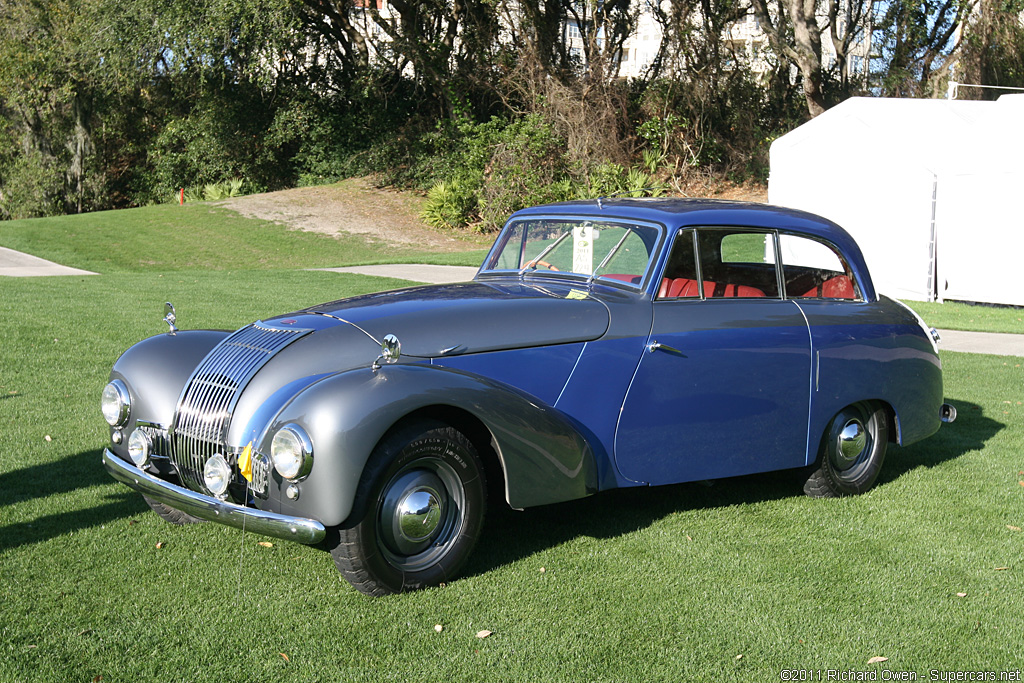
449 205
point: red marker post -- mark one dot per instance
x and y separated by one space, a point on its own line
181 200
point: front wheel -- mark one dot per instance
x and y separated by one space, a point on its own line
418 512
852 452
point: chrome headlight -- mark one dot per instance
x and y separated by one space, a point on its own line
140 446
115 403
217 475
292 452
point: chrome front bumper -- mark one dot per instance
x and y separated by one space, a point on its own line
299 529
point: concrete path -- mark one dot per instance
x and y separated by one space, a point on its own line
982 342
16 264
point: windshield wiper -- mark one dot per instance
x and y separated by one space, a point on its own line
532 263
608 258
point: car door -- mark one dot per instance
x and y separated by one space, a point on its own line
723 386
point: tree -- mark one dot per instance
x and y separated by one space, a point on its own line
918 40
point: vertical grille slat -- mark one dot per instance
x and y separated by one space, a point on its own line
204 409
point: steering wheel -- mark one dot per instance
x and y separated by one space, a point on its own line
537 262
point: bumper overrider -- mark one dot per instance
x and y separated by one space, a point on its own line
298 529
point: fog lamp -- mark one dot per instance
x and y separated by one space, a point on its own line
140 446
217 475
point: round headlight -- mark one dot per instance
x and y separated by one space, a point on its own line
217 475
292 452
139 447
115 403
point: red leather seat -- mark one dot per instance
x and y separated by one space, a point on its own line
838 287
685 287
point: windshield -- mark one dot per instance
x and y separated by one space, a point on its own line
612 250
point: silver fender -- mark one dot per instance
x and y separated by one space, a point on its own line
544 458
156 370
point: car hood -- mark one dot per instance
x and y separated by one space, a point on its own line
469 317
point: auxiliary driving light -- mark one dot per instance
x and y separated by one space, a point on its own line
140 446
217 475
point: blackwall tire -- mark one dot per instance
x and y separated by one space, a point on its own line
418 512
852 452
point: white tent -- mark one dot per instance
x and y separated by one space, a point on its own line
924 186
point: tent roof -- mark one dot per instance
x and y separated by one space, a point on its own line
928 133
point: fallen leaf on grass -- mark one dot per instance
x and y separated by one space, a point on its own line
1001 569
961 595
738 657
266 544
97 679
1012 527
483 634
878 660
438 628
160 545
284 656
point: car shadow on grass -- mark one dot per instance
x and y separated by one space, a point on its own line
510 535
971 430
75 472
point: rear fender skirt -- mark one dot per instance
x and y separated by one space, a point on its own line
544 457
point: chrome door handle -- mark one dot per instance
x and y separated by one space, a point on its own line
655 346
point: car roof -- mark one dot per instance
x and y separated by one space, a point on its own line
675 213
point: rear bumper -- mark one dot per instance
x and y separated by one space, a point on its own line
299 529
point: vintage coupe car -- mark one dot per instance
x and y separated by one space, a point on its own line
602 344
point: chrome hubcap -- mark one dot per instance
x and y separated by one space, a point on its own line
853 440
416 515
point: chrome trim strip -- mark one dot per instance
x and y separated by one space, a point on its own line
286 527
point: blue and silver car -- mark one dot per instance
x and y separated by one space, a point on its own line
602 344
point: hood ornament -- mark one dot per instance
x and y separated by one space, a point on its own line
169 318
390 351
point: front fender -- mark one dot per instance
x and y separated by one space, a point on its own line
544 458
157 368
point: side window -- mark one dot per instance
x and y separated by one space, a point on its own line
738 263
679 280
814 269
727 263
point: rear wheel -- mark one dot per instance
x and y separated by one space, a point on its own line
418 512
852 452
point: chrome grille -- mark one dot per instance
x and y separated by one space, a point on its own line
158 435
205 407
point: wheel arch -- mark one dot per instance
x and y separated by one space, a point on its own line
541 456
478 434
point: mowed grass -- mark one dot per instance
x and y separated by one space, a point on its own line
200 236
729 582
956 315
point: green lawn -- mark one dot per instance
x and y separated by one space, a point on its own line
731 582
954 315
198 236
